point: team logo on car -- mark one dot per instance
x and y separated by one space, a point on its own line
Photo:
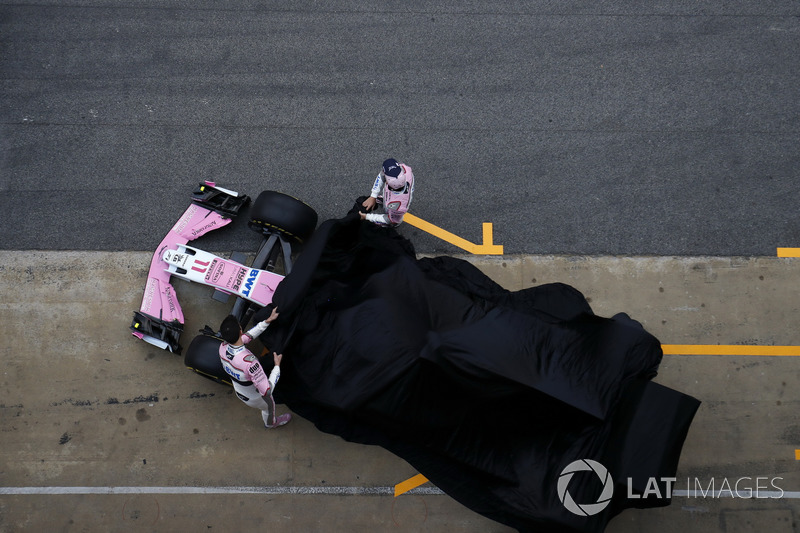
215 271
393 205
205 229
251 280
239 279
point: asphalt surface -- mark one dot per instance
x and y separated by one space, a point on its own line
601 139
604 128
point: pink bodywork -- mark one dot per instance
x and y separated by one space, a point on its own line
159 299
228 276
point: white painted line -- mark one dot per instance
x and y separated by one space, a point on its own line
337 491
334 490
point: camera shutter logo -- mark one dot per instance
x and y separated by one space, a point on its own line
585 509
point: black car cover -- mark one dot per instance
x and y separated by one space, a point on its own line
490 394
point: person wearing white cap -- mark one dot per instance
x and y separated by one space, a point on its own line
394 190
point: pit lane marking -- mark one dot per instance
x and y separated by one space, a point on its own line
409 484
730 349
486 248
788 252
273 490
293 491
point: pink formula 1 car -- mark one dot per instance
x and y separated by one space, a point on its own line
281 219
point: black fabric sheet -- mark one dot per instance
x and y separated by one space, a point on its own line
488 393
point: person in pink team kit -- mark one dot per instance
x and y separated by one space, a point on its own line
394 189
249 380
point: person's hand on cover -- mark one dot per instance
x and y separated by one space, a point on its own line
369 204
276 358
272 316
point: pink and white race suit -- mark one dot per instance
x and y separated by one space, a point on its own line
395 203
249 380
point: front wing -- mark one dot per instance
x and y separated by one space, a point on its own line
160 320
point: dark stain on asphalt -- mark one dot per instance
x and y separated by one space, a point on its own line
140 399
151 398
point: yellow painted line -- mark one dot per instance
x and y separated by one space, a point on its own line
788 252
409 484
797 455
729 349
486 248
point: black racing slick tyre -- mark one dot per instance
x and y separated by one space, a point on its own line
202 356
286 214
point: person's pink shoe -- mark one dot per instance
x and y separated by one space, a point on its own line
281 421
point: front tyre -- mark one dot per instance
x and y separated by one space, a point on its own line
283 213
202 356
